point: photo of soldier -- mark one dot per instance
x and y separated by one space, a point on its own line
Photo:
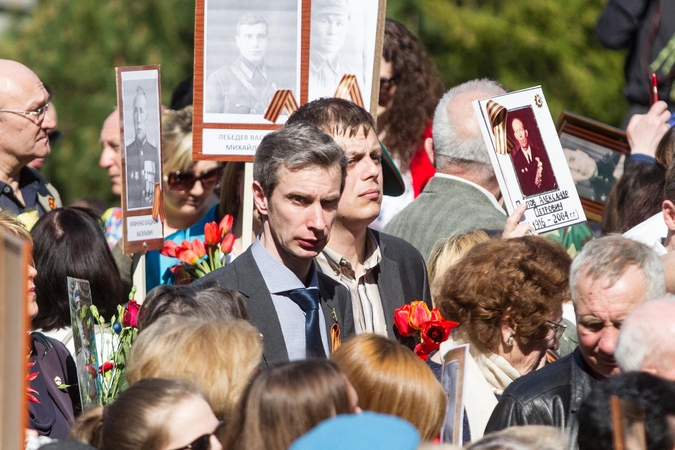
141 156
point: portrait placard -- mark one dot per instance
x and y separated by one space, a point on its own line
595 154
14 258
140 105
84 338
528 159
256 61
452 380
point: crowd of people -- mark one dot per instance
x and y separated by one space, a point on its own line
296 342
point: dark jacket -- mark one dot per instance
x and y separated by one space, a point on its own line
55 414
549 396
646 27
401 278
243 275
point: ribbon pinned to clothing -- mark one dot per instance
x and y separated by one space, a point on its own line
158 204
282 99
498 114
348 89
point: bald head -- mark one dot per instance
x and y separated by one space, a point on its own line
23 137
111 158
646 339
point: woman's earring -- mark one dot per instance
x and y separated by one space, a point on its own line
509 343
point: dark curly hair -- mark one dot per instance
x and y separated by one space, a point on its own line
418 89
526 277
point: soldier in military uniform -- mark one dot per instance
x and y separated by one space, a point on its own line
141 158
247 85
330 21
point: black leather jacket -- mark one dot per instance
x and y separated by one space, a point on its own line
549 396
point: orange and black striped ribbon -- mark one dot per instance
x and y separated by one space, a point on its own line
497 114
283 98
158 204
348 89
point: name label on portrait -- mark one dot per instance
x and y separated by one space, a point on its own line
231 142
142 228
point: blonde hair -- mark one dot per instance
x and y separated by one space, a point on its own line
11 223
390 379
447 252
136 419
219 356
177 140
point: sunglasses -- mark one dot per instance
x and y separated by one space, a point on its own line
203 442
559 328
386 84
178 181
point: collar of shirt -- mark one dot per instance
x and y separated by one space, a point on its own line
249 68
318 62
487 193
29 185
340 265
278 277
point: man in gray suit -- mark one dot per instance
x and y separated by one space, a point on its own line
298 174
381 271
464 194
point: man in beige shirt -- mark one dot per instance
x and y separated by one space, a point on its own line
381 271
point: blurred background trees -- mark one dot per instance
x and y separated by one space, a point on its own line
74 46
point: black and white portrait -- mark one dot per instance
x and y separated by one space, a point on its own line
251 50
342 43
141 119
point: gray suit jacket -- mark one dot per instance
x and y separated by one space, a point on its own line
402 276
243 275
445 207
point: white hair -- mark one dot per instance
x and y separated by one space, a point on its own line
610 256
456 132
647 335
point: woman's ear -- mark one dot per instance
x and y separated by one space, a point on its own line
508 330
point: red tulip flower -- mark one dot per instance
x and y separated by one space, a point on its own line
401 320
211 234
106 366
169 249
198 247
226 224
228 243
188 257
419 313
131 314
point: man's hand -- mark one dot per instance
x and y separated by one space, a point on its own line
514 227
644 131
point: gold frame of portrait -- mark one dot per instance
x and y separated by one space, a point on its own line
597 133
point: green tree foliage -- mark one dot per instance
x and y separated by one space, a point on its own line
521 44
74 46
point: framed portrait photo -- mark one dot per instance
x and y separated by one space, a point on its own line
15 255
595 154
528 159
140 105
256 61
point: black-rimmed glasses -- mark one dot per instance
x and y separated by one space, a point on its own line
39 113
204 442
558 328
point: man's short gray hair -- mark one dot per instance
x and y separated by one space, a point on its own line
296 147
457 135
610 256
646 336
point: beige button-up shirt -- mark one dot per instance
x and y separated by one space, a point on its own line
366 302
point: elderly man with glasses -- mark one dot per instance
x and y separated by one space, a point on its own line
24 127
